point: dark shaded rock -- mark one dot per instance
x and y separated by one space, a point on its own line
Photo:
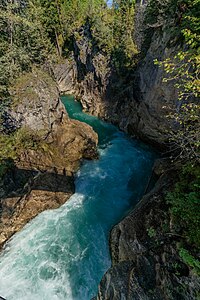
9 123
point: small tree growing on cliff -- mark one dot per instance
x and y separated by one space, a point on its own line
184 70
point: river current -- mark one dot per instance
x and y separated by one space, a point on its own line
62 254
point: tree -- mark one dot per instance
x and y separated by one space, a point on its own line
125 49
51 18
23 42
184 70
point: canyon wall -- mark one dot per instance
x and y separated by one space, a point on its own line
139 101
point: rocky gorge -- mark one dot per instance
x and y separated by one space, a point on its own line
139 101
145 261
42 177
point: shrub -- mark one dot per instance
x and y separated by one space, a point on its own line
184 203
190 260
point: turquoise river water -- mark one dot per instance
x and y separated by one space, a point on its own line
62 254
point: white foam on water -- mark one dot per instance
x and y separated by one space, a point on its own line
63 253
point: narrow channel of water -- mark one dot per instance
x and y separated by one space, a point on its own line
62 254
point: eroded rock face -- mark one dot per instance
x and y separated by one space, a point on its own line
42 177
146 101
86 73
146 264
155 99
138 101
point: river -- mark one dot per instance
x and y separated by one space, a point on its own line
62 254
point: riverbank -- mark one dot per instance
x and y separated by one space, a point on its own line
42 175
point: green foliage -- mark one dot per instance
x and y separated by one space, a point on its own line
32 30
186 66
124 50
112 29
23 42
191 22
184 71
61 19
184 203
102 30
151 232
37 32
76 12
11 146
189 260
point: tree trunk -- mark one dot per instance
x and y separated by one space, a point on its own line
59 49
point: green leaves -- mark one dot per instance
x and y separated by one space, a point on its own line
184 203
11 146
190 260
124 48
184 71
23 42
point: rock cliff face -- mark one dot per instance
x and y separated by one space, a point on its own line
152 99
43 176
86 73
138 102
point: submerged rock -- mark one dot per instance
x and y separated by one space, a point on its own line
42 177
